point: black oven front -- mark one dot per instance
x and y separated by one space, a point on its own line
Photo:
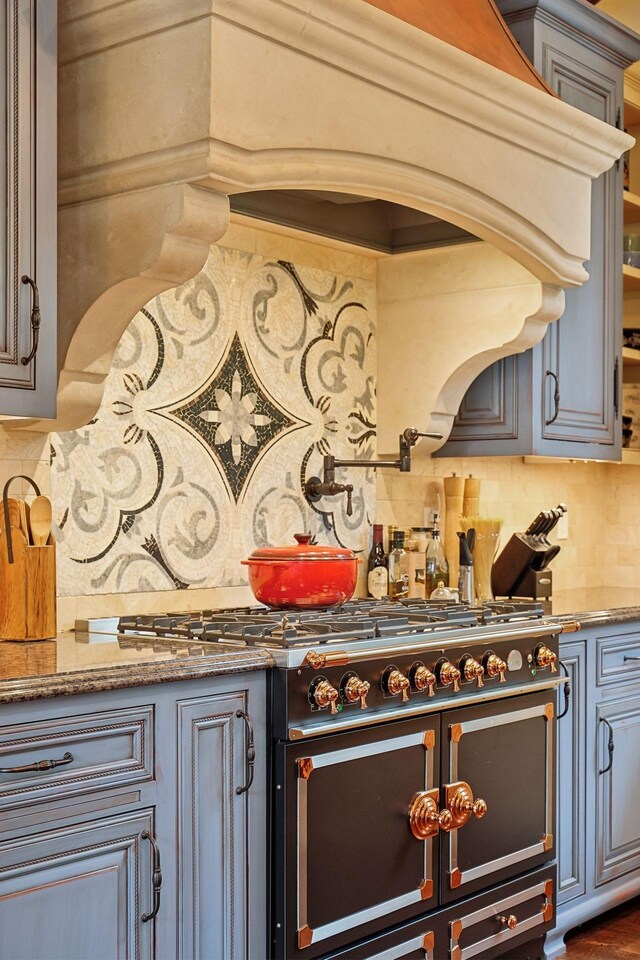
377 826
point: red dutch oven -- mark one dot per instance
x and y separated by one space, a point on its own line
305 575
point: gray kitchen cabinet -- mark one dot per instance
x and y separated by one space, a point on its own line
571 777
212 828
562 398
598 824
77 892
28 355
617 815
169 763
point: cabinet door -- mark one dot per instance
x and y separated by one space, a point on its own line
28 229
571 777
514 408
617 811
212 828
581 350
78 893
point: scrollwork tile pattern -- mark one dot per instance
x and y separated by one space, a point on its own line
223 397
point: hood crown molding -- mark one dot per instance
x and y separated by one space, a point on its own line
173 107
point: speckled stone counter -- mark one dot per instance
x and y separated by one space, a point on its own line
71 664
595 607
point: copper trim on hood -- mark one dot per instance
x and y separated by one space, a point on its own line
474 26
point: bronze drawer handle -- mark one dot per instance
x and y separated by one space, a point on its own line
156 878
610 746
631 658
40 765
250 756
35 321
556 397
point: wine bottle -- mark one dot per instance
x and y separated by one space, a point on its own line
378 566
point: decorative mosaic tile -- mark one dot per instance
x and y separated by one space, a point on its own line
223 397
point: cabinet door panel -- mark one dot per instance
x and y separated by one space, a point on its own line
617 812
28 230
77 893
582 347
212 825
571 778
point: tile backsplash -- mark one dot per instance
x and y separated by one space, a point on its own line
223 396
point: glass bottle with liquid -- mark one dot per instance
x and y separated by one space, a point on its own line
398 571
436 566
378 566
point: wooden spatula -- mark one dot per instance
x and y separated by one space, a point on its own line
24 519
40 521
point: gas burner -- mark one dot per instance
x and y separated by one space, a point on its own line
356 620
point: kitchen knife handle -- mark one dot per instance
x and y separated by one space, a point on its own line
556 397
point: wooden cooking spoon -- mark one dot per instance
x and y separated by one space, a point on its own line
41 521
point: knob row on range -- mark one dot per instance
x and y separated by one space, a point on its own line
445 673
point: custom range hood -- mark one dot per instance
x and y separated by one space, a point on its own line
169 109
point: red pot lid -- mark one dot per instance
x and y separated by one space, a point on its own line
303 550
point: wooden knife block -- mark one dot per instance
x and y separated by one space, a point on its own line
27 588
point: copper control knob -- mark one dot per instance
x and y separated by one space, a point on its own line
325 695
448 674
424 679
398 683
511 921
493 666
356 689
473 670
544 657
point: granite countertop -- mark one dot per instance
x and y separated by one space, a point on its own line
599 606
70 664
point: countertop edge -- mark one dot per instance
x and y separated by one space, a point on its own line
128 675
595 618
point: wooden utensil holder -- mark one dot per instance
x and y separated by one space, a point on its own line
27 580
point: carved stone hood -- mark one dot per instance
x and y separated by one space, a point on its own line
167 109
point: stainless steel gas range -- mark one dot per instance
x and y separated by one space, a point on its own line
412 775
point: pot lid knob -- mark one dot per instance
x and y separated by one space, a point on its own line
302 538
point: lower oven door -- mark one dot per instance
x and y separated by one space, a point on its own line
347 861
498 783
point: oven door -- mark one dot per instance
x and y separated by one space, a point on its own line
498 783
347 862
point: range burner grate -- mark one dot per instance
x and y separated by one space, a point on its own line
354 620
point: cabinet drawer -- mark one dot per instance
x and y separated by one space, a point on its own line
66 756
484 931
618 658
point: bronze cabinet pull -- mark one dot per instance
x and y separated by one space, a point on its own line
35 320
610 746
250 755
556 397
156 878
40 765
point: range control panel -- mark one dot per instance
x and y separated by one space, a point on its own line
329 689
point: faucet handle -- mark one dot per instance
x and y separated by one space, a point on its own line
349 490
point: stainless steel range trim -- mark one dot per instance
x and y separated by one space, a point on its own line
434 706
484 723
504 934
402 950
440 638
379 909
